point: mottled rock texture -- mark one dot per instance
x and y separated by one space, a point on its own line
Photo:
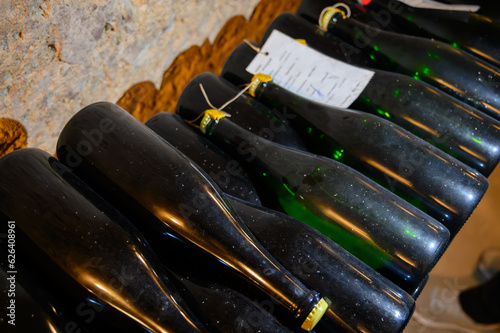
59 56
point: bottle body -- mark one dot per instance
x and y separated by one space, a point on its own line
449 69
452 126
134 168
450 26
439 119
403 163
359 296
75 242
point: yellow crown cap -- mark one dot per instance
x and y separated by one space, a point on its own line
315 315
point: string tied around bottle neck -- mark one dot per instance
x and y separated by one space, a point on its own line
328 12
213 113
254 47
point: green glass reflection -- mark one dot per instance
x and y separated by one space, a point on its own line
359 248
410 233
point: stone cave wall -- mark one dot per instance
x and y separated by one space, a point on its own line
58 56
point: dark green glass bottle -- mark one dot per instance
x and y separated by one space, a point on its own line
401 162
359 296
445 122
136 170
450 26
372 223
443 66
226 172
90 251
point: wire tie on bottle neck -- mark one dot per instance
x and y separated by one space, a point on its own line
327 13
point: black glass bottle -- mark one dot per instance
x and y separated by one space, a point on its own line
226 172
310 10
267 123
450 26
443 66
132 167
359 215
220 298
89 250
447 123
359 296
403 163
229 310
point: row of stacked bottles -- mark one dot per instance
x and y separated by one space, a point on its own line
311 186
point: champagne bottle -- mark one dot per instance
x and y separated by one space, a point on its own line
447 68
451 26
219 297
448 124
360 297
135 169
381 150
334 199
230 310
263 121
310 10
226 172
91 252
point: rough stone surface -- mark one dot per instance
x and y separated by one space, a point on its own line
58 56
143 100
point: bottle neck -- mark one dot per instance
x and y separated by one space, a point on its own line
349 29
297 109
259 155
245 146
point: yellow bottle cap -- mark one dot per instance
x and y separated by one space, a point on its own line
315 315
301 41
327 13
209 115
256 80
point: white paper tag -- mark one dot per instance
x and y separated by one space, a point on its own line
309 73
431 4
